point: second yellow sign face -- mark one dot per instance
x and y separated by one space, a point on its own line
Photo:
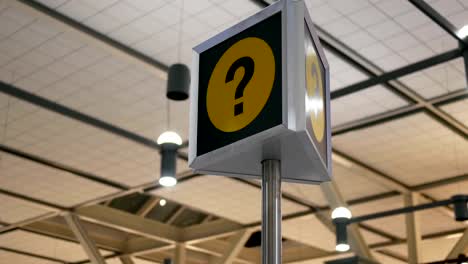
315 98
240 84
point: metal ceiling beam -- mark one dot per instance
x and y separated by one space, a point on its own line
148 206
413 230
208 231
398 113
460 247
82 235
130 223
236 244
126 260
398 73
91 36
175 214
437 18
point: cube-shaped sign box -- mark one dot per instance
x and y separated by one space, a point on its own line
260 90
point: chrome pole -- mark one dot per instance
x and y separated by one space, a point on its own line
271 212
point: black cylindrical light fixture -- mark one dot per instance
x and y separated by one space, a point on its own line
168 142
460 206
341 234
167 261
341 216
178 82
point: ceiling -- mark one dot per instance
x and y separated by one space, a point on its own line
82 102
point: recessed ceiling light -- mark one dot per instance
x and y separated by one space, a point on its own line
162 202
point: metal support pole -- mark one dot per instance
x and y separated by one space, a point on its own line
271 212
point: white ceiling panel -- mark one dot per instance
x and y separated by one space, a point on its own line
45 246
306 192
41 182
223 197
14 210
382 31
355 182
310 231
458 109
437 80
342 73
10 257
365 103
414 149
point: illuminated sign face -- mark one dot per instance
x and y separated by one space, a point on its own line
315 95
240 86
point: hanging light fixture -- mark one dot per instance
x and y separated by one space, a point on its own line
178 82
169 142
340 216
460 207
178 79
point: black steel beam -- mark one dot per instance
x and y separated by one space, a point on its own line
75 115
33 255
61 167
402 210
398 73
94 34
437 18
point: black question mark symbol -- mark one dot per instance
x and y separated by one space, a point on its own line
248 64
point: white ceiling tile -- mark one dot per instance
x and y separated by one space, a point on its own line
167 14
359 39
458 109
341 27
214 16
78 10
145 5
413 19
367 16
310 231
103 22
394 8
324 14
14 210
52 185
123 11
414 149
346 7
384 29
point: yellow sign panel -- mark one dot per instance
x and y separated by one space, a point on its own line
240 84
315 98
